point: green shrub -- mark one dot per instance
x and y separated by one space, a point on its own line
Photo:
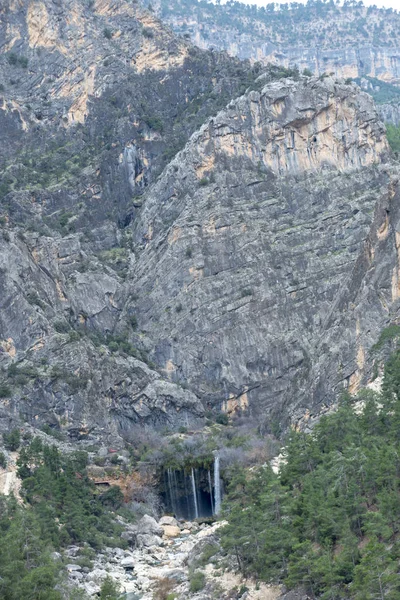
17 61
389 333
203 181
113 497
64 218
61 327
55 433
147 32
5 391
393 136
222 419
209 551
197 581
109 589
12 440
3 460
133 322
107 33
154 122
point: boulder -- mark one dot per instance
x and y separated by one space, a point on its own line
74 568
72 551
92 589
130 534
168 521
177 575
76 575
148 540
148 525
127 562
198 549
97 575
171 531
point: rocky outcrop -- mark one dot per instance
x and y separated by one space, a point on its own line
348 41
292 127
249 237
139 289
166 565
76 153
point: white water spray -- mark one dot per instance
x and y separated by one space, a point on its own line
211 492
217 486
196 507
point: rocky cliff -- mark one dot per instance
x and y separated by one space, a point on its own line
177 234
95 99
347 40
250 236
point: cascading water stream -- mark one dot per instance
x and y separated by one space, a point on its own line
171 489
194 491
211 492
217 486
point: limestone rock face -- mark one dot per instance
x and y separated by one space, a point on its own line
249 237
348 41
179 232
292 127
101 98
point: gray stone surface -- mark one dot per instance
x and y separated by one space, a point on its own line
237 281
248 241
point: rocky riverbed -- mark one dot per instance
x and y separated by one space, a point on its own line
164 555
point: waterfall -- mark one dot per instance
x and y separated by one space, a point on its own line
196 507
211 491
217 486
172 489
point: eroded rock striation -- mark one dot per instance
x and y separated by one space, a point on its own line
250 236
340 38
178 232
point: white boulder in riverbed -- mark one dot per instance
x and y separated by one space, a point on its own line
168 521
171 531
127 562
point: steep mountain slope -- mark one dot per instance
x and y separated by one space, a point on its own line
95 99
347 39
138 288
249 239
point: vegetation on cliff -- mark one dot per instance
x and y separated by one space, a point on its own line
323 22
330 521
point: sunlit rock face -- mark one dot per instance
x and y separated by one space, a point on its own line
249 237
347 41
176 234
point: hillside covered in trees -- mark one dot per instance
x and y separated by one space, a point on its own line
330 520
